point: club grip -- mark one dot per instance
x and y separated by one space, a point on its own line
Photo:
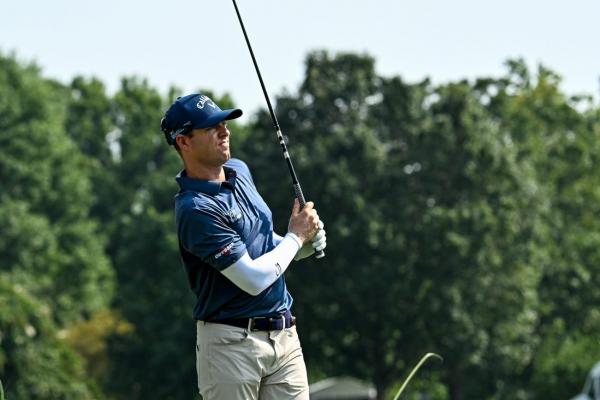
299 195
302 201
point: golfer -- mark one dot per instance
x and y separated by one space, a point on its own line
247 346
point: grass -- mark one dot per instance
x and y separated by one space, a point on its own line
414 371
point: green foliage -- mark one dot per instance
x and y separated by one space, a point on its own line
53 261
461 219
49 243
478 240
563 361
559 134
428 386
34 362
434 223
90 340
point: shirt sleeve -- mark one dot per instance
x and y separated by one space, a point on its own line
205 234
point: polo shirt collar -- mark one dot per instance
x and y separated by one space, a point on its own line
211 187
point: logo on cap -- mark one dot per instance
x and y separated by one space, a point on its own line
205 100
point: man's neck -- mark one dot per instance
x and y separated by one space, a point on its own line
200 171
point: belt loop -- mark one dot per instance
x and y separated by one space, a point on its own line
283 320
250 320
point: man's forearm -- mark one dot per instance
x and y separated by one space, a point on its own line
254 276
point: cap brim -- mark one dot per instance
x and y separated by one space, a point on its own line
220 116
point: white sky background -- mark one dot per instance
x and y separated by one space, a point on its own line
198 43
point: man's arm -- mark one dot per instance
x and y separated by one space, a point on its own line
254 276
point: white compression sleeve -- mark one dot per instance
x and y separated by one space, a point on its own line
254 276
278 238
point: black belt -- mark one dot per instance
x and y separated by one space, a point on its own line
286 320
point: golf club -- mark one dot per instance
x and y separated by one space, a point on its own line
286 155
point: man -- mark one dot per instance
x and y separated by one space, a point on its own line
247 346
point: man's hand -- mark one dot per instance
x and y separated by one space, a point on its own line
318 243
304 223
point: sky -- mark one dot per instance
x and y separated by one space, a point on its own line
194 44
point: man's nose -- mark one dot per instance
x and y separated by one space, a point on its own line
222 130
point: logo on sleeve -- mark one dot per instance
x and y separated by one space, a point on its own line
225 251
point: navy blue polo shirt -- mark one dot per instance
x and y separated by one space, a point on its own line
217 222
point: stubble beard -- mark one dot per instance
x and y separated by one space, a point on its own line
226 155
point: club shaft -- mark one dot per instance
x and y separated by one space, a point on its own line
271 111
286 154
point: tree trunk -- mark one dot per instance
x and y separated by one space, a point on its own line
455 385
382 389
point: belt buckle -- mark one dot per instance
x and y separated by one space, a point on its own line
251 323
270 323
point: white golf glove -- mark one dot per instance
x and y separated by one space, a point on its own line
318 243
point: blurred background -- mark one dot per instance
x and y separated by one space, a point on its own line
451 149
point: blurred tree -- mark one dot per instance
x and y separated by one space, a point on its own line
135 201
461 219
560 135
89 123
49 244
341 164
50 247
34 363
433 222
479 235
563 360
90 339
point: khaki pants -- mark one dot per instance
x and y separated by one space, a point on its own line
233 363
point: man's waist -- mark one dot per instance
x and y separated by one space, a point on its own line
226 301
273 323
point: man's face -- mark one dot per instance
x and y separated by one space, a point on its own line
209 146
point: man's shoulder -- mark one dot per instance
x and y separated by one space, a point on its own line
195 211
188 201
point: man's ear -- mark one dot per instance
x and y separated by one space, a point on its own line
182 141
